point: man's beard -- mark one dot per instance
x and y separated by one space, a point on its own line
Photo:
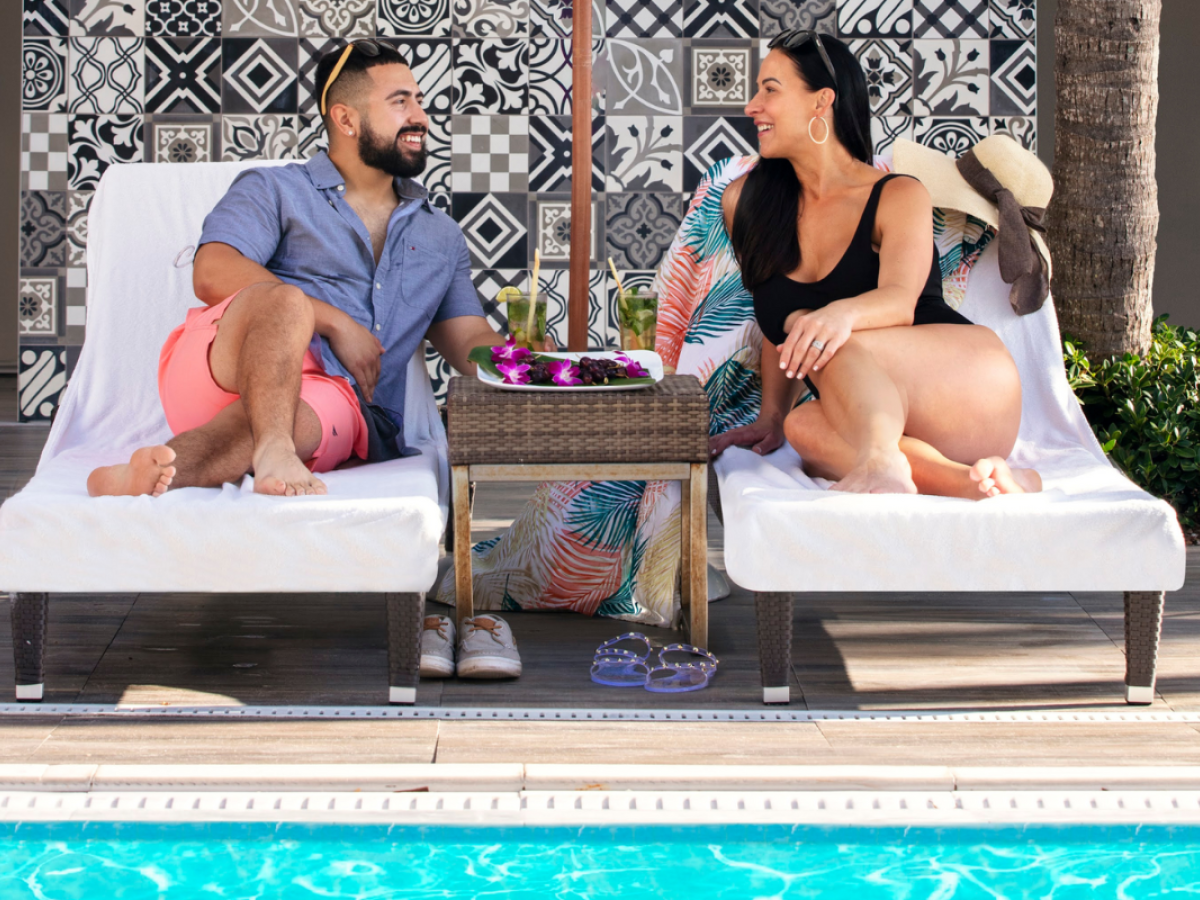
394 158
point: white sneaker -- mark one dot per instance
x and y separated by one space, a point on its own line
437 647
486 649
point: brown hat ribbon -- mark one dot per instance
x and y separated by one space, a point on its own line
1021 265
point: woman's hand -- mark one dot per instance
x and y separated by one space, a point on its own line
762 436
830 325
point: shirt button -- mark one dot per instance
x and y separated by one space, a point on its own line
341 187
378 327
378 286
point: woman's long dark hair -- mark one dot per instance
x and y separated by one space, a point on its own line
764 235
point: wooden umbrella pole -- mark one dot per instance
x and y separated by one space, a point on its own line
581 175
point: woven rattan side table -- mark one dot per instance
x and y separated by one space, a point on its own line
659 433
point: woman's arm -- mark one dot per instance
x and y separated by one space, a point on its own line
904 224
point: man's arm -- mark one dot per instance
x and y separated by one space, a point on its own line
455 338
220 271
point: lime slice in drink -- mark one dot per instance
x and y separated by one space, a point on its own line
509 293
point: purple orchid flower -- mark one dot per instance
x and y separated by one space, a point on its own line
632 369
563 373
513 372
509 352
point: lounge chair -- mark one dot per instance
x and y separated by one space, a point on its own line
376 531
1091 529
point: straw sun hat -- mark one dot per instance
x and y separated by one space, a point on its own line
1001 183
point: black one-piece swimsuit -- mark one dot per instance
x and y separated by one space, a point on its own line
857 272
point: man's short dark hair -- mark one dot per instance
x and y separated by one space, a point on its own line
351 80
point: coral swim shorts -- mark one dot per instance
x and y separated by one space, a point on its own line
191 396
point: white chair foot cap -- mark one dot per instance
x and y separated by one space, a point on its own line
1139 694
777 695
402 695
30 691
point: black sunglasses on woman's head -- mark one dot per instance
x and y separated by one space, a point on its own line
790 40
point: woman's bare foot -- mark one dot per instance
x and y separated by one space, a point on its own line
994 478
149 471
279 471
880 474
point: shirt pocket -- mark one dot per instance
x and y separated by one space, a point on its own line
424 276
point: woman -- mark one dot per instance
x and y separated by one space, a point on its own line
890 393
847 290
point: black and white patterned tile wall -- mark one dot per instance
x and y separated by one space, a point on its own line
183 81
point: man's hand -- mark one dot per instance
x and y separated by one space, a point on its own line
359 351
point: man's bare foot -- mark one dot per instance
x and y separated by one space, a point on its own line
994 478
881 474
149 471
279 471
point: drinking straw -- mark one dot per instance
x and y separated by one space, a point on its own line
537 264
620 291
617 277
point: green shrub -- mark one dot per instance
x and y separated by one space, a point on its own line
1146 413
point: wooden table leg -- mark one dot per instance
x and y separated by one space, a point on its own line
461 500
685 552
697 526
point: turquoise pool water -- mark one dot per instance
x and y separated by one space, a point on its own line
104 860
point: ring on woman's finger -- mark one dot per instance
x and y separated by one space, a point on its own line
818 345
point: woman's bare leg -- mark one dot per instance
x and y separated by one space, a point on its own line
957 396
826 454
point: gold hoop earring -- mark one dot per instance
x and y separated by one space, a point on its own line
820 119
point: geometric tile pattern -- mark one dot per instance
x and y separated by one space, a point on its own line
1013 18
107 82
887 66
106 75
950 18
950 77
721 76
43 228
720 18
1014 78
183 75
44 74
44 151
490 153
183 18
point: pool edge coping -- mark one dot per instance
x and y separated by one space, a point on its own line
524 777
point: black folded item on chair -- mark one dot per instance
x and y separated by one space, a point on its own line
385 440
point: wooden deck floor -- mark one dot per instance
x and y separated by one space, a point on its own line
1001 652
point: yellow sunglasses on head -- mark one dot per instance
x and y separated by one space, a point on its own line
369 48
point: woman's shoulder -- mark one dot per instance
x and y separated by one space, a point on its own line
902 196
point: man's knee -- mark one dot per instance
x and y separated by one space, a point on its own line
285 305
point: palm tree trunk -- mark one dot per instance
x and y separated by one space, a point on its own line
1103 223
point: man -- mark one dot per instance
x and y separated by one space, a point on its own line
320 281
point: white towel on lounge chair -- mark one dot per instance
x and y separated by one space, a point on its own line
1090 529
377 529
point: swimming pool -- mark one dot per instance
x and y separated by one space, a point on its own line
127 860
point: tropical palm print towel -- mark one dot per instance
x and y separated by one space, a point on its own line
611 548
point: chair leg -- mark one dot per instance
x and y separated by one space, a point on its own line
714 494
774 614
1143 626
404 615
29 644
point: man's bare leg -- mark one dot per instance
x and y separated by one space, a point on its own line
827 455
218 452
258 353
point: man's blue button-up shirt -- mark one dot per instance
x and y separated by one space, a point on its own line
295 221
